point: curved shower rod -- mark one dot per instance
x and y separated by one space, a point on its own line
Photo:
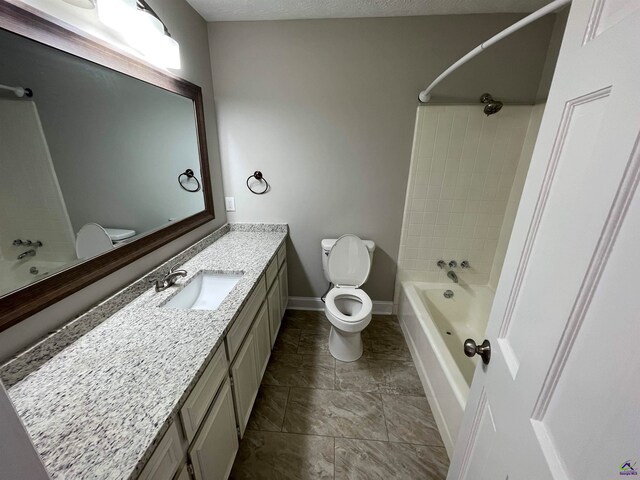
18 91
425 95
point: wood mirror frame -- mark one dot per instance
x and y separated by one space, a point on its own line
38 26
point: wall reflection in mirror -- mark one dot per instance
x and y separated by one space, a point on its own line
90 161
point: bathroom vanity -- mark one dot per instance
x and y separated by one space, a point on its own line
137 388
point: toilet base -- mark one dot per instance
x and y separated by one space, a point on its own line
344 346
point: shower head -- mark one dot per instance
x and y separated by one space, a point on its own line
491 105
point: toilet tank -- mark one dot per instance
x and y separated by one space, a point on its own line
328 243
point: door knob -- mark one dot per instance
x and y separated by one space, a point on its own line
484 350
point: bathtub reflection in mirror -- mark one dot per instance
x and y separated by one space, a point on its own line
89 162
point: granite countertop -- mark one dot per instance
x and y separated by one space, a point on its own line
98 408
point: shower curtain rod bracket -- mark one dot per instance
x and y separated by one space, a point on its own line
18 91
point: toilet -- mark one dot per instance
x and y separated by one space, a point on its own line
93 239
347 263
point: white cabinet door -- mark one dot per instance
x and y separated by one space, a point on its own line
215 447
245 380
284 288
275 315
198 402
262 339
167 456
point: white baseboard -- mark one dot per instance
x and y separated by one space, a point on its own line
315 304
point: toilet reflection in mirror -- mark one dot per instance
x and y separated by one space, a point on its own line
88 163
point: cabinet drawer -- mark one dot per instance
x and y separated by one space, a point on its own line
245 319
197 404
282 253
167 457
272 272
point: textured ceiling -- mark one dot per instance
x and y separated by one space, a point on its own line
229 10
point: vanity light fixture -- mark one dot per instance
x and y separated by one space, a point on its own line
142 29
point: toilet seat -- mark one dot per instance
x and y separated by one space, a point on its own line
347 322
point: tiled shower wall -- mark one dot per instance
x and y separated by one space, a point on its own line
462 172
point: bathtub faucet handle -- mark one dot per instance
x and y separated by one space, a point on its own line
441 264
465 264
484 350
453 264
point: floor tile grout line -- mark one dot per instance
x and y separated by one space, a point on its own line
337 436
349 438
286 405
432 450
334 457
345 390
384 415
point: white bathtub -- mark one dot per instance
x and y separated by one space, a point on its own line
435 328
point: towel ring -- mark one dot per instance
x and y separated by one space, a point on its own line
190 175
258 176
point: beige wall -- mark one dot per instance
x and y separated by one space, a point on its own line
190 30
326 109
555 41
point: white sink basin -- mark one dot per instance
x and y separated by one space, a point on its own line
205 292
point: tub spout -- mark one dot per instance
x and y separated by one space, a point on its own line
452 275
28 253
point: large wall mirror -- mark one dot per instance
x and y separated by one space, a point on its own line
101 161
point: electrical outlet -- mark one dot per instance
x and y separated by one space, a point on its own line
230 204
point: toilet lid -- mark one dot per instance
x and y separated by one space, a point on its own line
349 262
92 240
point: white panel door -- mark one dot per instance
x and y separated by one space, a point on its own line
560 398
215 447
275 315
245 380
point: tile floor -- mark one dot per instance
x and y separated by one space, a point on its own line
319 418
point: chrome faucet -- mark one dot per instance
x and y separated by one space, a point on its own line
169 279
28 253
452 275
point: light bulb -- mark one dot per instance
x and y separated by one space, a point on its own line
142 31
